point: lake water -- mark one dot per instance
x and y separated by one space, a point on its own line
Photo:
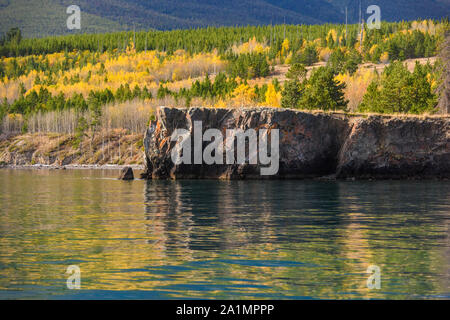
220 239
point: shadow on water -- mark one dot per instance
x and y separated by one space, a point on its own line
221 239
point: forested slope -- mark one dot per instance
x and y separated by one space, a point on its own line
40 18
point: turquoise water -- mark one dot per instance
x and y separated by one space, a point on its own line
220 239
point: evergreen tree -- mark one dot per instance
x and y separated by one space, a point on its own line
291 94
307 57
400 91
323 92
297 71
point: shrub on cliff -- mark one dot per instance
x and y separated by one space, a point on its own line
293 88
291 94
322 91
400 91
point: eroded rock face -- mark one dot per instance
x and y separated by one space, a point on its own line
310 145
396 148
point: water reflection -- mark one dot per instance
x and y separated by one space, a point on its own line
221 239
335 229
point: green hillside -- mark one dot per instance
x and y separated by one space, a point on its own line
40 18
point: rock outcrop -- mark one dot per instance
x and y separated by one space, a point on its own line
310 144
379 147
126 174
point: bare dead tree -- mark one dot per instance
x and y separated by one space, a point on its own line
444 88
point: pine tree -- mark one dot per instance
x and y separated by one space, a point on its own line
297 71
291 94
400 91
323 92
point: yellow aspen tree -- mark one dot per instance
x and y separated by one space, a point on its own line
384 57
273 98
243 95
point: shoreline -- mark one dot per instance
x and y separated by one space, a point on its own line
71 167
142 168
104 149
325 178
135 167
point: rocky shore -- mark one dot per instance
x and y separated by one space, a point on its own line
71 167
56 150
311 145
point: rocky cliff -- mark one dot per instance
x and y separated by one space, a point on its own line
310 145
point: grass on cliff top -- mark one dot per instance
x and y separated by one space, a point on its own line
340 112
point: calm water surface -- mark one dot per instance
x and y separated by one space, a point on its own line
218 239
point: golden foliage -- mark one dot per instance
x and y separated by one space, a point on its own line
251 46
285 47
243 95
113 70
273 98
384 58
324 54
333 34
356 85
